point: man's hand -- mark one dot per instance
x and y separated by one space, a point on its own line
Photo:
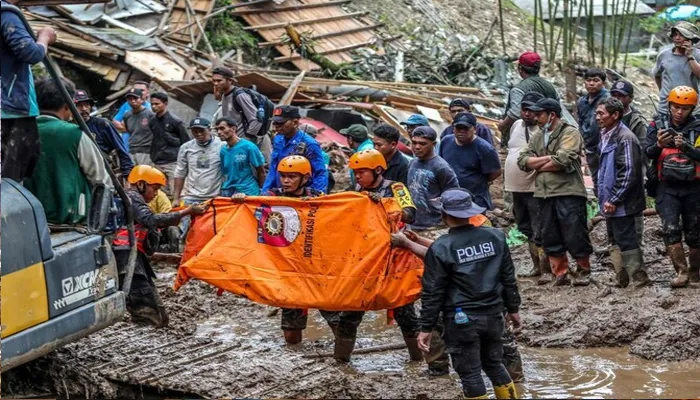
609 208
177 202
678 141
375 197
238 198
197 209
399 239
412 236
424 341
47 35
688 47
515 322
664 138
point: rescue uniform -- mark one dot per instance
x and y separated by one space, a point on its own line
143 290
471 268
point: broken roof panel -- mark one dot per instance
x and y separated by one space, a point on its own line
93 13
613 8
119 38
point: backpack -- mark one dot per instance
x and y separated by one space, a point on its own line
264 106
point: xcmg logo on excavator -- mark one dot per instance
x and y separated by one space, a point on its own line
78 283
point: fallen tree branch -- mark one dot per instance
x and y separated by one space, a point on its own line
366 350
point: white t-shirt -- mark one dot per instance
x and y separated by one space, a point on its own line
515 179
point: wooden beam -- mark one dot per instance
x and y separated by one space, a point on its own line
178 60
306 21
212 53
64 12
331 51
328 35
32 3
291 8
291 90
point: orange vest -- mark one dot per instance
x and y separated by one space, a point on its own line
121 239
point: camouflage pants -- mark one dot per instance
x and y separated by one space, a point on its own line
347 322
297 318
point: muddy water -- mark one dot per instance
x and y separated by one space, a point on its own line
553 373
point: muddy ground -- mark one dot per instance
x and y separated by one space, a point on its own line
226 346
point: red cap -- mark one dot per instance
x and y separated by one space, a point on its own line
530 59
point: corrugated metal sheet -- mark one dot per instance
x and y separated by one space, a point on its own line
613 8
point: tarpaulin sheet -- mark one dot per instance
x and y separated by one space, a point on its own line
331 252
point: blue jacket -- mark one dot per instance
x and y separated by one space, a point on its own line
587 124
300 144
18 51
108 139
620 177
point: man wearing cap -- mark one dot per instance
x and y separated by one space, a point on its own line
678 66
313 132
624 91
414 121
137 123
460 106
198 169
473 159
106 135
237 103
587 125
358 139
169 134
386 141
290 141
554 153
118 119
469 277
429 175
522 185
529 64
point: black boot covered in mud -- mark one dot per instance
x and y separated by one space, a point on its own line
535 256
343 349
292 336
582 272
694 265
633 260
677 254
413 351
545 267
621 275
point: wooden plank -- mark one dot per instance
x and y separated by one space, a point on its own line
322 4
66 13
155 64
305 21
331 51
327 35
178 60
388 119
121 81
292 90
33 3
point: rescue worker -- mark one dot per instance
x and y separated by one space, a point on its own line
358 139
621 192
295 178
143 301
369 165
106 135
554 152
292 141
386 141
469 277
678 65
673 145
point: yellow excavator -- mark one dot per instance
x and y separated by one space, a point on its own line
58 285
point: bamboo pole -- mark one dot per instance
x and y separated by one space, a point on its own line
629 37
534 27
603 31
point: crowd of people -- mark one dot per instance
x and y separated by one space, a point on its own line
470 299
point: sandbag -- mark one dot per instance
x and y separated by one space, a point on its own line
331 252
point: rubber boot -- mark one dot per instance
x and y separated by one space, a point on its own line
506 391
545 267
677 254
560 267
582 272
621 275
343 349
413 351
633 260
694 265
485 396
639 228
292 336
535 256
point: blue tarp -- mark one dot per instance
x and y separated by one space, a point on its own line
681 12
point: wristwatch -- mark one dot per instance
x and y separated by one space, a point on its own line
691 58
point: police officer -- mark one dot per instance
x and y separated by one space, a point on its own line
673 145
368 166
290 140
469 276
294 176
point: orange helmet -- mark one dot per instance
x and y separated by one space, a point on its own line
297 164
683 95
369 159
148 174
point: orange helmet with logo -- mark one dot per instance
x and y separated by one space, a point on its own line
369 159
148 174
683 95
297 164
